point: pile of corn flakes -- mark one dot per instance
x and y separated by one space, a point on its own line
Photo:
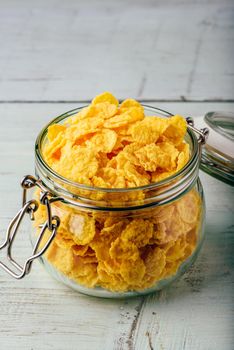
116 146
108 145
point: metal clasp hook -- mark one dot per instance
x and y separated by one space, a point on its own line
29 207
203 133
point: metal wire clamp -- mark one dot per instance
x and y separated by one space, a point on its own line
30 207
202 133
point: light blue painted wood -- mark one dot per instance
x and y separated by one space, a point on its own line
56 50
162 49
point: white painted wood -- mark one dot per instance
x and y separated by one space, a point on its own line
72 50
195 313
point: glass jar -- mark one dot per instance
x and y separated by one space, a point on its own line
113 242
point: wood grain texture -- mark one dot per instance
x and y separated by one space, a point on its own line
195 313
72 50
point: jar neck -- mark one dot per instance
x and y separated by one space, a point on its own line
108 199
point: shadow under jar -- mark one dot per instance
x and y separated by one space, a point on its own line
121 242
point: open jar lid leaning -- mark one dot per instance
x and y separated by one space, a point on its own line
218 153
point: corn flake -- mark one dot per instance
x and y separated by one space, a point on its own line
176 129
132 271
188 207
52 151
82 228
84 273
84 168
139 232
122 250
155 261
61 258
132 115
85 113
106 110
143 133
103 141
129 103
54 130
83 127
105 97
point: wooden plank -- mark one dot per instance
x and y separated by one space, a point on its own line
152 49
195 313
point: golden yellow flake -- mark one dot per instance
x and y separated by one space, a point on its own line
105 97
54 130
82 227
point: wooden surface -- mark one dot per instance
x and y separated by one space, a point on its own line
162 51
151 49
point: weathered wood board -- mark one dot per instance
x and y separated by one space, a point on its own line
151 49
196 312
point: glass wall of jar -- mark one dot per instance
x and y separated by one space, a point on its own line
122 242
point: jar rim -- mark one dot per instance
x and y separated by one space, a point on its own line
42 163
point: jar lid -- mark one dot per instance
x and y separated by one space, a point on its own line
218 152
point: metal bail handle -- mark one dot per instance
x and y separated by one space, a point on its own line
202 133
30 207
